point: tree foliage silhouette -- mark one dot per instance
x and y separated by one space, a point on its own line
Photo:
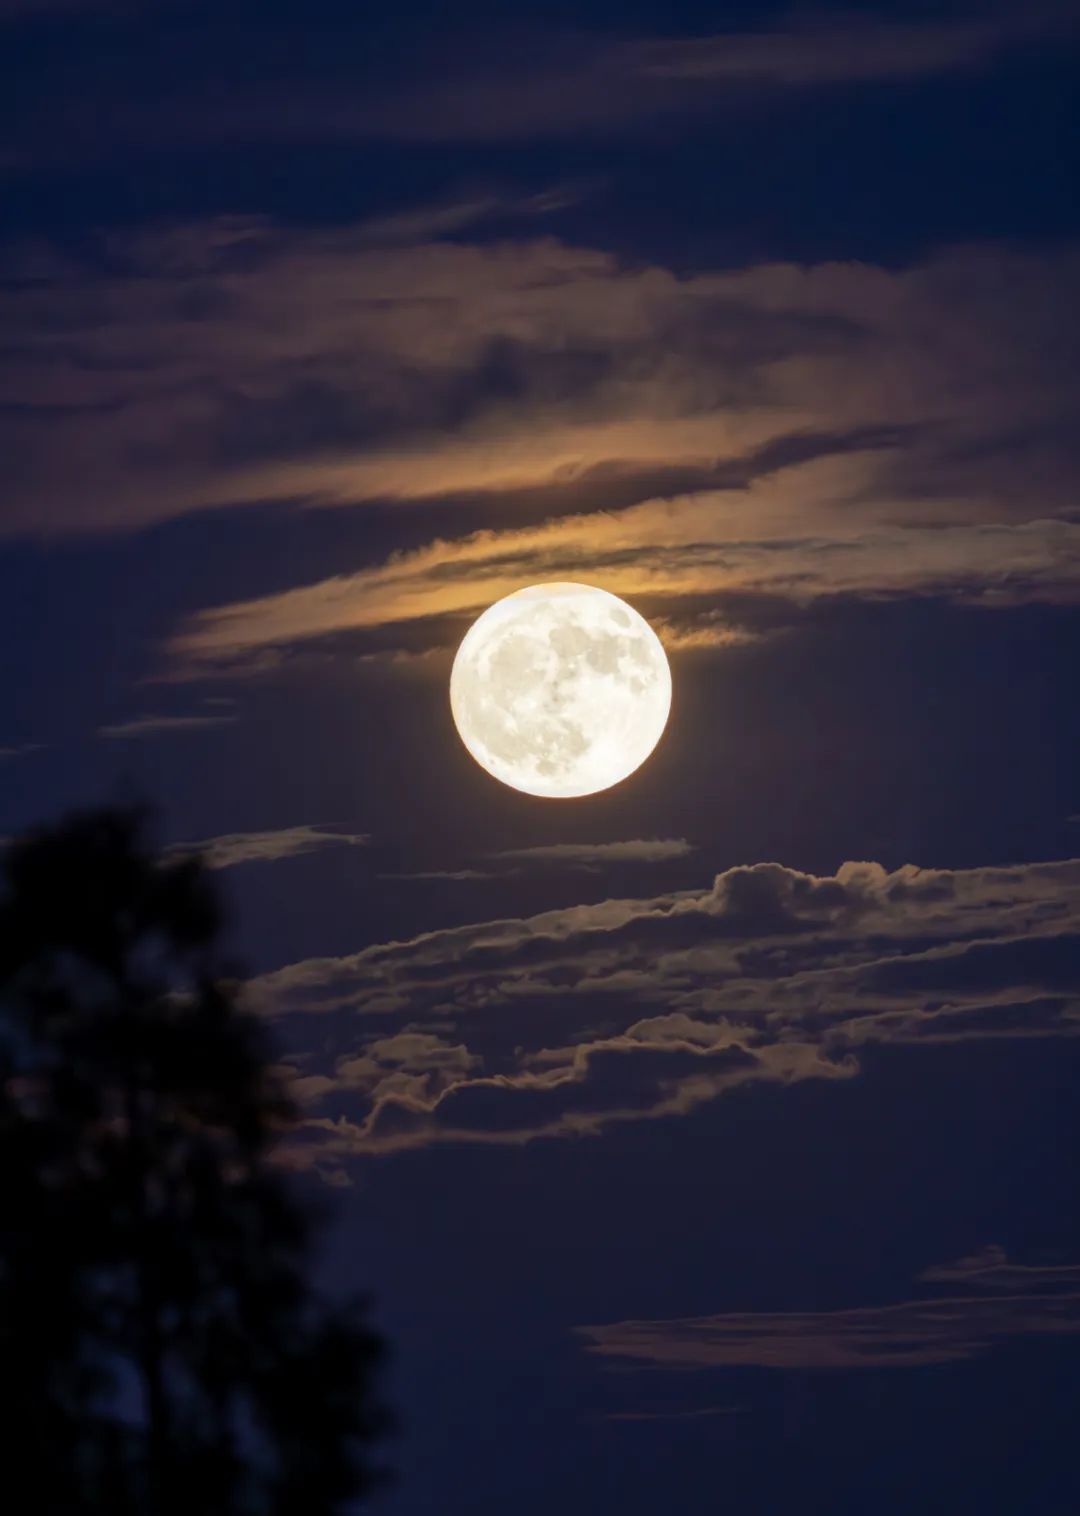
162 1349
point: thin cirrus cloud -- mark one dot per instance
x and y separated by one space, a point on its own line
636 1009
595 854
990 1268
161 726
542 84
449 876
835 49
234 848
573 855
578 83
442 218
911 1334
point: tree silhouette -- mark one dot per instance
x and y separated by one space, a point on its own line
162 1350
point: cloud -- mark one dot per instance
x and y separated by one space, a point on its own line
575 85
267 847
842 49
712 629
156 726
625 1010
22 750
991 1269
654 552
528 409
593 854
774 431
412 1064
555 85
913 1334
523 381
507 83
452 875
579 84
447 217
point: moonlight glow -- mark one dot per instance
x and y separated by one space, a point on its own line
560 690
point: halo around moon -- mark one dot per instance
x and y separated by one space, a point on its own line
560 690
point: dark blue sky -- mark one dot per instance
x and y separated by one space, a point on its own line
710 1141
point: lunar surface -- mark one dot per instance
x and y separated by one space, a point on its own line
560 690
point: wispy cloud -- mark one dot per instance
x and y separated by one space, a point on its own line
159 726
21 750
911 1334
581 84
518 85
992 1269
234 848
449 875
594 854
712 629
446 217
574 855
656 551
844 48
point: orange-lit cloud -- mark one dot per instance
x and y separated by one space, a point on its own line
656 550
545 410
235 361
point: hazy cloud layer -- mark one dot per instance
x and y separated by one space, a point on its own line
594 854
157 726
844 48
944 1329
565 855
575 84
267 847
992 1269
564 1023
450 875
488 81
236 361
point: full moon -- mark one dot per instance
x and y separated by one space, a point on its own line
560 690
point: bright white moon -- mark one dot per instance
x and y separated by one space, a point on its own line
560 690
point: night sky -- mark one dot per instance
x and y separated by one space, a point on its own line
710 1143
